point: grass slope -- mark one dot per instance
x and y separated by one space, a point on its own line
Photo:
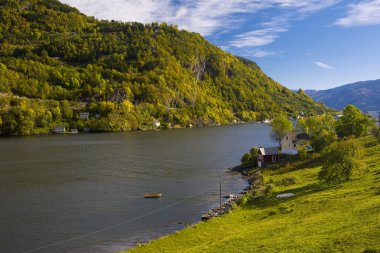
320 218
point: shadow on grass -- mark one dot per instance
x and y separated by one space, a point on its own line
269 201
286 166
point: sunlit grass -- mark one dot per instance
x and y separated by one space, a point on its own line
320 218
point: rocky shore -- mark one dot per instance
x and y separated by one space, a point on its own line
226 206
254 180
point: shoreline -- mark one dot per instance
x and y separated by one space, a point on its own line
233 198
228 205
50 133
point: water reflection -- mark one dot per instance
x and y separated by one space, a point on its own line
54 188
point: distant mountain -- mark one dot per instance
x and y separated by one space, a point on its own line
365 95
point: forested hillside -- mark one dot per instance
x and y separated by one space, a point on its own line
56 62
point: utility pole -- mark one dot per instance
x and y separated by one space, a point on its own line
220 198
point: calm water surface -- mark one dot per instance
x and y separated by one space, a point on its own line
84 193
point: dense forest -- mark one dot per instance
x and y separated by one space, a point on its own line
56 63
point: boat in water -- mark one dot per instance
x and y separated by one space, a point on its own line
152 195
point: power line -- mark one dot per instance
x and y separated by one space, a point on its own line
116 225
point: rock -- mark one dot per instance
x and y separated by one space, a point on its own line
285 195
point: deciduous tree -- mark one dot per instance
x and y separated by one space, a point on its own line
281 126
321 129
353 122
341 160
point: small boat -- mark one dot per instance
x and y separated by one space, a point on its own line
267 121
152 195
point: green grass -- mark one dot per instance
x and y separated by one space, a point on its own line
320 218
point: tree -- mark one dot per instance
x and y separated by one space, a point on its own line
67 111
353 122
182 77
321 130
341 160
250 158
281 126
375 131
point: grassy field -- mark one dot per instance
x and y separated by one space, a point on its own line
319 218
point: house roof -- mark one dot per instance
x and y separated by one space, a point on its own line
303 136
268 151
297 137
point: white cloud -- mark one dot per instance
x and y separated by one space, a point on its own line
362 13
257 53
257 38
204 17
261 53
323 65
271 30
211 17
143 11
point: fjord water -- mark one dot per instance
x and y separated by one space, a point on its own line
84 193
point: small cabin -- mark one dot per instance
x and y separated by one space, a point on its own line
84 115
74 130
156 123
59 129
291 143
267 155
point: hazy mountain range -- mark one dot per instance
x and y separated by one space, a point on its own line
365 95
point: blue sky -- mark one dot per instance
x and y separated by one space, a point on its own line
309 44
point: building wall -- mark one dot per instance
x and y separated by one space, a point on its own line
289 151
264 159
287 143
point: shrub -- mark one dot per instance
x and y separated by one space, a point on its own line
245 158
250 159
302 154
268 191
286 181
245 199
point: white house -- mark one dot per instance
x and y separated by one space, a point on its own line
84 115
59 129
156 123
291 143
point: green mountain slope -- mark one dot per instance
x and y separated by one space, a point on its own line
125 75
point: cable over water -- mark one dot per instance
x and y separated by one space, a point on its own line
117 225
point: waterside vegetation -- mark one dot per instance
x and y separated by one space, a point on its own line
326 200
320 217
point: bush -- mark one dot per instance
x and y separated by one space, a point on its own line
268 191
302 154
246 199
286 181
246 158
250 159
